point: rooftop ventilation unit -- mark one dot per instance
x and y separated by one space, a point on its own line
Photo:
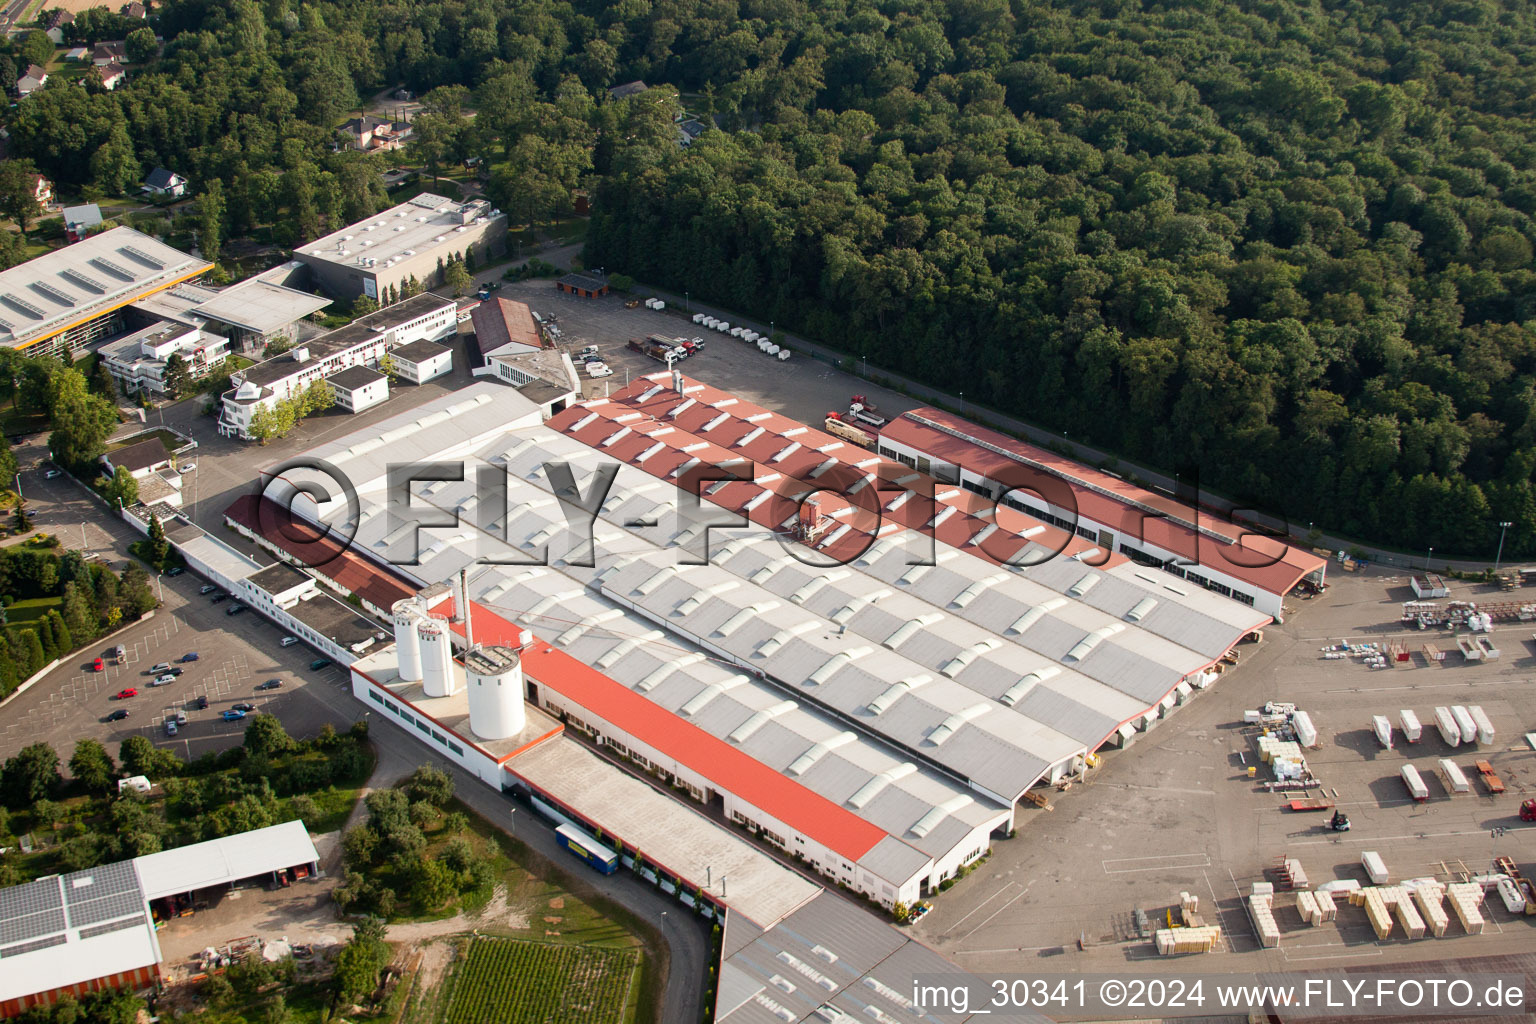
83 281
112 268
143 257
53 293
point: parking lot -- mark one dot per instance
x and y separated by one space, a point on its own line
235 654
1178 812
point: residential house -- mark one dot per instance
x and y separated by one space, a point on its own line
113 75
110 53
79 220
165 184
78 54
135 10
31 81
689 131
376 134
626 90
55 22
139 459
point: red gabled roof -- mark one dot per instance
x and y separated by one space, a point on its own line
1110 500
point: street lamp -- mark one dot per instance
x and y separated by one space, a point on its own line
1500 556
1427 558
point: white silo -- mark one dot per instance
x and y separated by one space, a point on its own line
437 678
407 639
495 685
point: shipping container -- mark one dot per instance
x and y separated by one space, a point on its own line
587 848
1484 724
1454 778
698 318
1446 723
1383 729
1375 867
1412 730
1464 724
1415 783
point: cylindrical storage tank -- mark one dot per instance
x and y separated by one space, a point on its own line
436 657
495 691
407 640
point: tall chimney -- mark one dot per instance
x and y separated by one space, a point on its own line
469 637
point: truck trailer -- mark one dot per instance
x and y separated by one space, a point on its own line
587 848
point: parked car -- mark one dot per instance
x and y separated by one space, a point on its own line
163 666
181 717
270 684
320 663
51 474
288 641
118 715
98 665
175 570
207 588
243 708
234 609
219 597
176 670
189 656
189 467
125 693
596 370
170 727
164 680
587 355
233 715
118 654
201 704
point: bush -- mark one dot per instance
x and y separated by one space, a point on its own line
621 282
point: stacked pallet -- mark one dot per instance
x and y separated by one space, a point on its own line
1430 897
1377 910
1407 916
1172 941
1189 902
1465 898
1306 906
1326 911
1261 909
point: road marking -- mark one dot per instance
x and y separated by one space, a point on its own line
989 899
1204 862
1415 835
1331 956
1022 893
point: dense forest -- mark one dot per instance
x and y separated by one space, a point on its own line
1285 244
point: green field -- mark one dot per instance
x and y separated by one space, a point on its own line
513 981
31 609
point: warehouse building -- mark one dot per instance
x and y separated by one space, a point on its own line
359 344
412 241
91 930
74 297
1153 530
882 685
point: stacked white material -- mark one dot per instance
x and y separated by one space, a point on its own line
1298 876
1375 867
1415 782
1306 732
1430 898
1376 911
1407 915
1306 906
1260 908
1326 911
1483 723
1263 888
1189 902
1412 730
1288 769
1171 941
1271 747
1454 778
1465 898
1464 724
1450 732
1382 727
1509 892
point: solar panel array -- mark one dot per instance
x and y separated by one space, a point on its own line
53 293
31 910
34 945
112 926
23 305
102 894
84 282
143 257
112 268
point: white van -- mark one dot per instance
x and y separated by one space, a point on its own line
288 641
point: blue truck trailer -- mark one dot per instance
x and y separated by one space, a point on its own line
587 848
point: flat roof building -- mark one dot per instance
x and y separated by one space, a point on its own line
72 297
376 257
421 361
513 350
257 310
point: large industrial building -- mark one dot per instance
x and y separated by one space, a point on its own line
410 241
95 929
878 688
362 343
1151 529
74 297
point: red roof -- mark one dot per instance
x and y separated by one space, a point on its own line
1272 565
501 321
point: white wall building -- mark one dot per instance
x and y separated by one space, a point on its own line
421 361
138 360
358 388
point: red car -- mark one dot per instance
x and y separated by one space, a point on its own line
125 694
98 666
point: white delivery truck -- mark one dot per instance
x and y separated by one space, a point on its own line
1415 783
1464 723
1412 730
1449 731
1375 867
1454 778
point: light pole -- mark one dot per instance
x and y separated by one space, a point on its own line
1427 558
160 587
1500 556
19 498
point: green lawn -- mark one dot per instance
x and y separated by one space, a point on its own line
234 362
31 609
169 438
